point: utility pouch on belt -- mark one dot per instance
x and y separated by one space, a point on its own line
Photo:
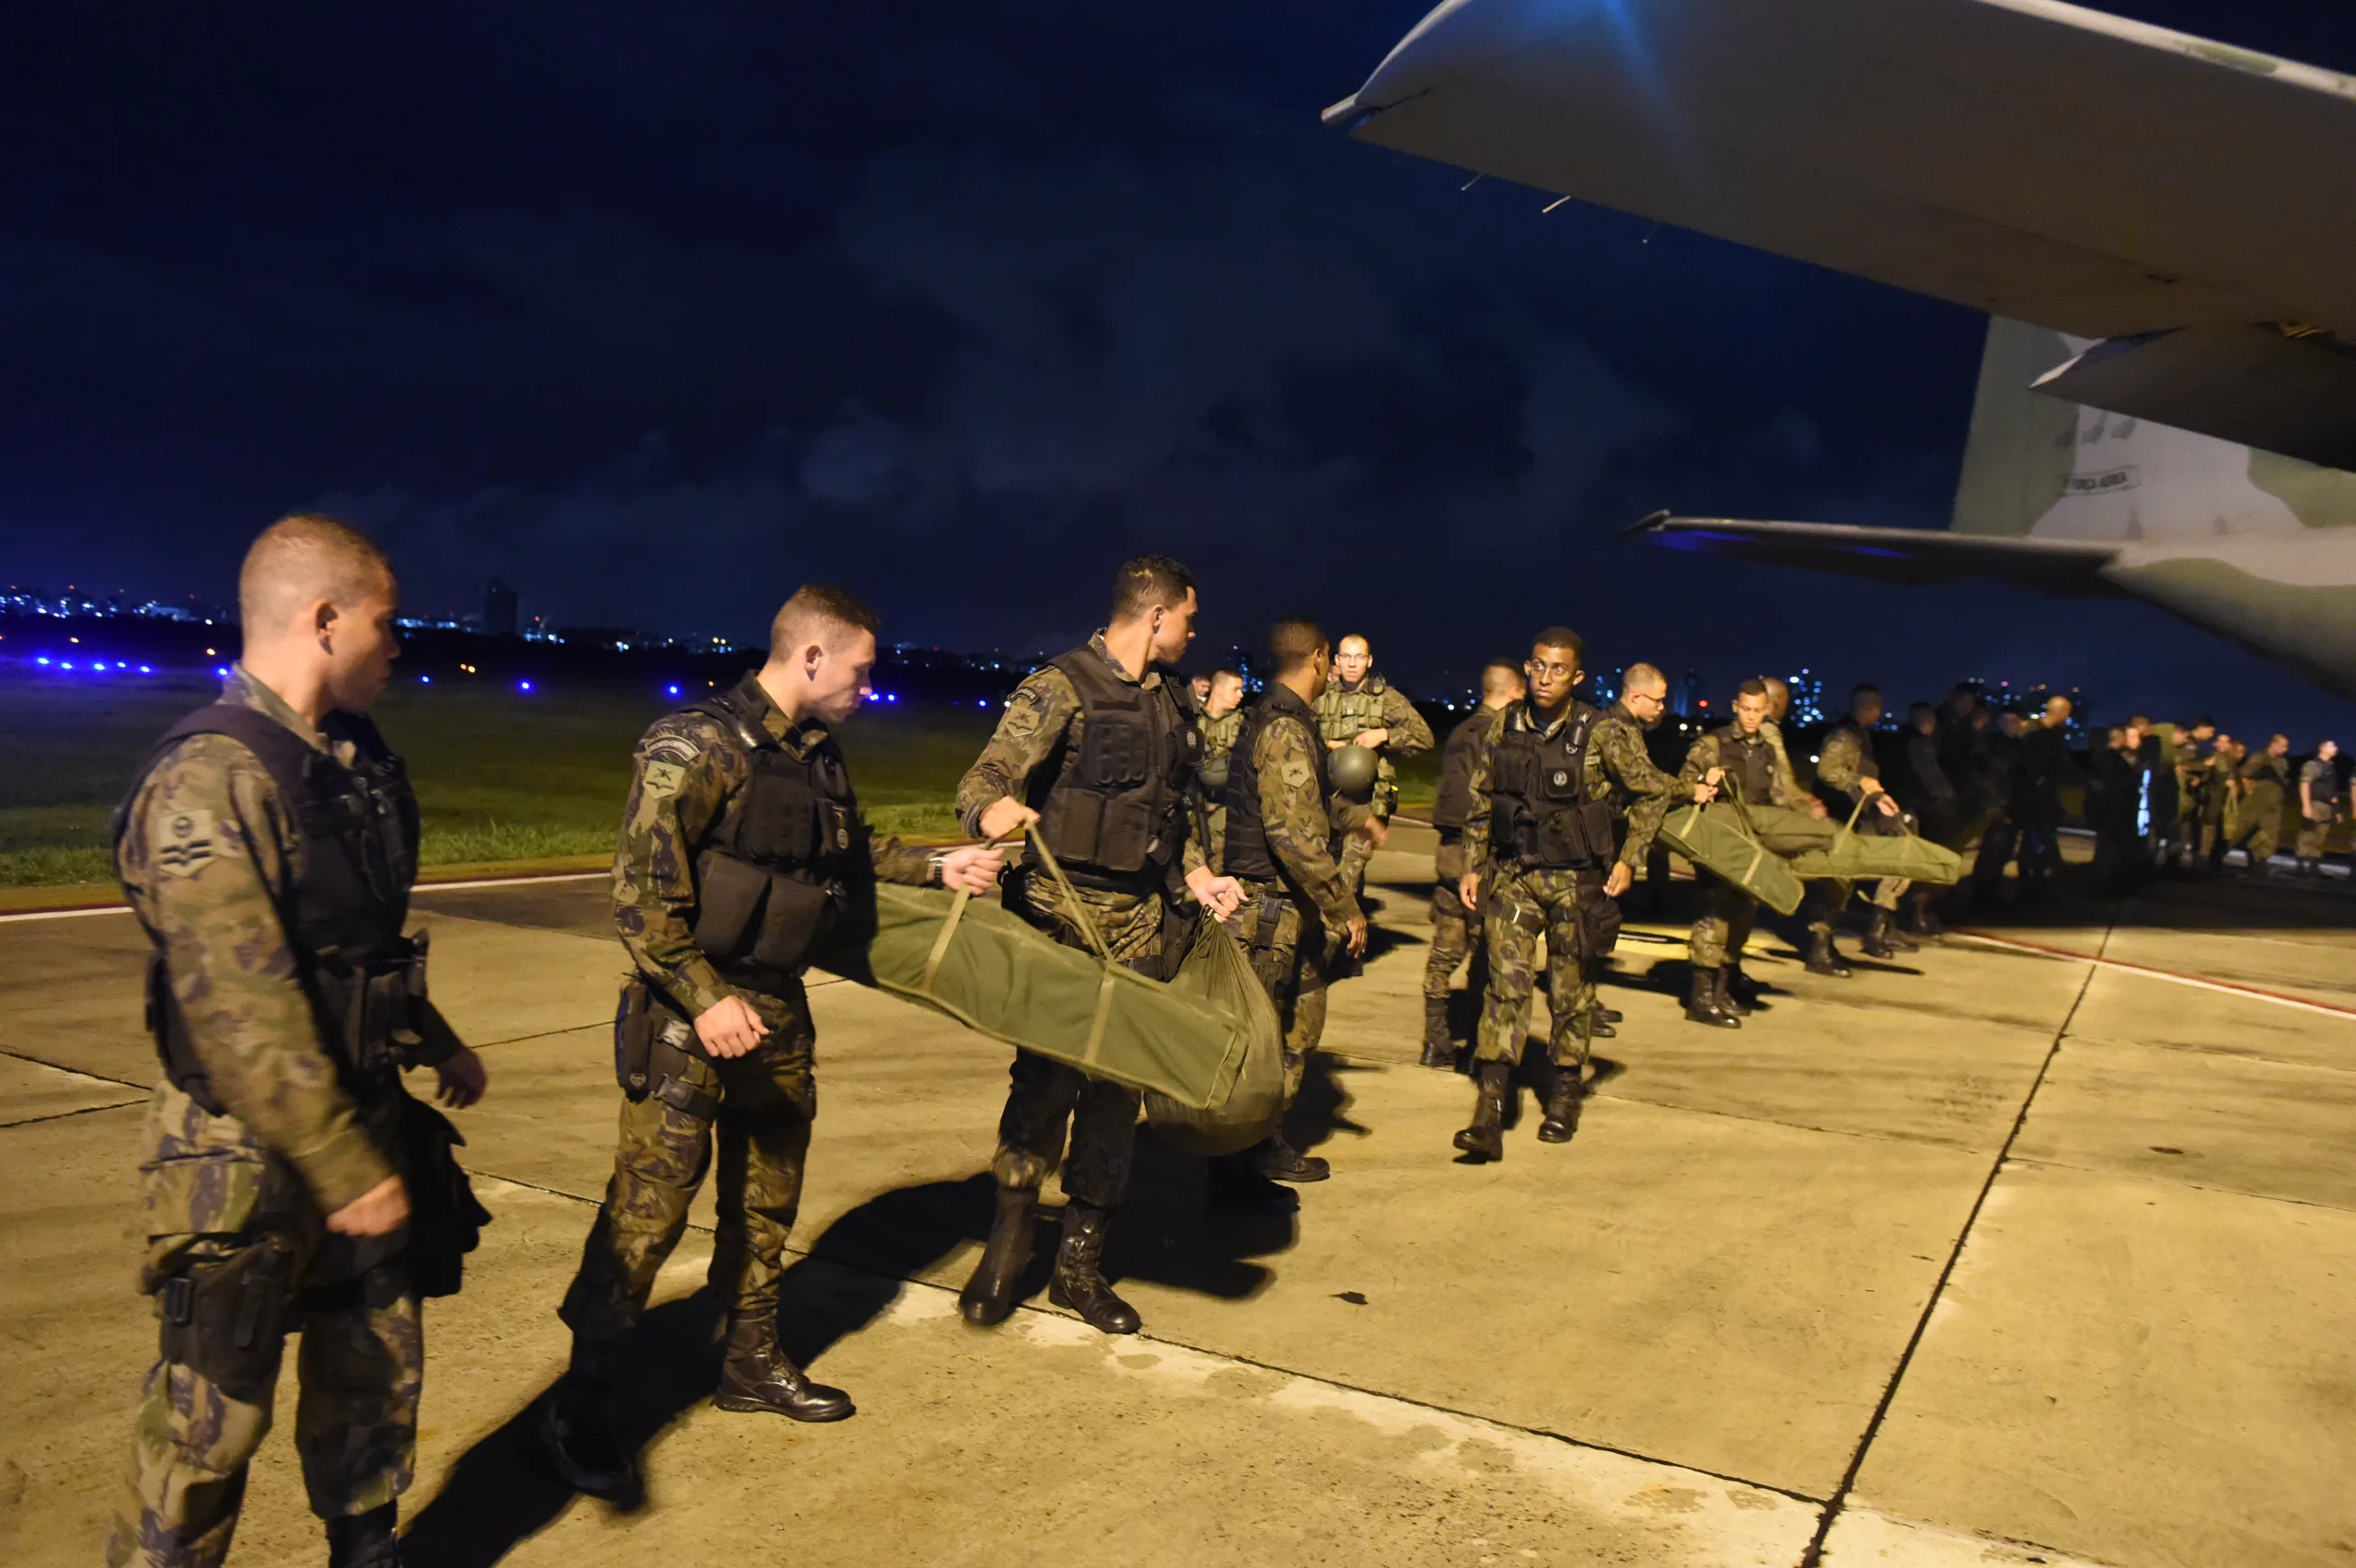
226 1320
634 1026
444 1219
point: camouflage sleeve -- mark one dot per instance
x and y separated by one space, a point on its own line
1042 708
1476 794
1621 746
683 774
1699 760
895 861
1409 733
206 861
1839 764
1295 819
1786 788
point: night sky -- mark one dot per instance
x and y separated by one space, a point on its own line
657 311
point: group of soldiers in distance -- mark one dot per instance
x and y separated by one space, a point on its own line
289 1182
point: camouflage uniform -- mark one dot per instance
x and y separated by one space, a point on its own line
1567 906
2259 829
1288 839
1842 763
1343 712
1455 930
210 856
1219 742
1043 723
687 774
1783 825
2322 781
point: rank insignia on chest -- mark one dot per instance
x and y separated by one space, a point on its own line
185 846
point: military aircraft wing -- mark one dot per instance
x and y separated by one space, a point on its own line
2093 175
2068 567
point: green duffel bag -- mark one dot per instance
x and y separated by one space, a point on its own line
1861 857
1000 976
1720 838
1217 973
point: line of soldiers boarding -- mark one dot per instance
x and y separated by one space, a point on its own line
290 1182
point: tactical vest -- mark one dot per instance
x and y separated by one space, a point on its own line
774 873
1539 814
1750 765
1455 797
344 913
1218 746
1113 813
1248 855
1342 714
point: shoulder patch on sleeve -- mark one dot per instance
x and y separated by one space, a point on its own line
662 777
185 842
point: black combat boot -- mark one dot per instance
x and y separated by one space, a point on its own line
757 1376
1823 958
1485 1139
1609 1015
988 1296
1598 1024
1736 992
1439 1051
1702 1004
1235 1179
577 1426
1925 914
364 1540
1563 1107
1279 1162
1079 1283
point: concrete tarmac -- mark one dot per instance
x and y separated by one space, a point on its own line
2036 1253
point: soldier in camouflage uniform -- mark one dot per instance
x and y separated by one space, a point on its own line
2318 805
1455 928
268 848
1739 754
1845 765
1222 717
2265 782
1285 829
2220 807
1360 708
1096 754
742 849
1540 861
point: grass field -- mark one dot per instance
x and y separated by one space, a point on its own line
501 776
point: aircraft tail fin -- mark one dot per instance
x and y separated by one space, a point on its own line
2018 459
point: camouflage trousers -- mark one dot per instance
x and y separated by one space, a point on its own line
2312 832
1725 926
1356 849
1291 952
756 1109
207 1403
1047 1101
1457 936
1579 926
2260 828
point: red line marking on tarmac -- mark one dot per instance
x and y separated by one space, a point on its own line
2229 987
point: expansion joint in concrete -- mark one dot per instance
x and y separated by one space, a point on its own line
1814 1556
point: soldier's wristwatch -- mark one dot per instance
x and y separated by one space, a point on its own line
935 865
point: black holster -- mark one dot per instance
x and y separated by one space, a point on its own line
444 1219
226 1320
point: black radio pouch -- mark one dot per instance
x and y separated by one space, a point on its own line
635 1022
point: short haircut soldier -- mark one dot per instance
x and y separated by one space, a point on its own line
1561 637
1644 677
819 613
1752 687
303 558
1500 677
1149 582
1293 643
